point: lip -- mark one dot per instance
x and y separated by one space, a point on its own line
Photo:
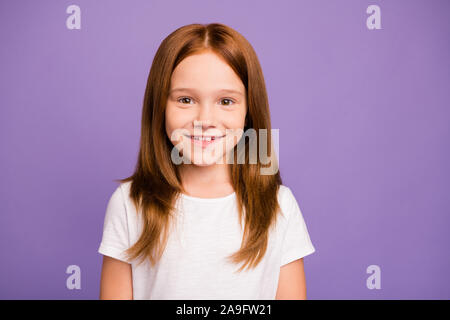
204 143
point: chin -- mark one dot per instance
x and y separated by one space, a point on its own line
202 164
206 161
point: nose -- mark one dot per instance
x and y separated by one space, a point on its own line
205 117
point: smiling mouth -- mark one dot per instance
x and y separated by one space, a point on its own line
205 138
204 141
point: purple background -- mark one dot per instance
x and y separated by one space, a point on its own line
363 118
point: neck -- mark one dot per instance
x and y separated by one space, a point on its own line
205 175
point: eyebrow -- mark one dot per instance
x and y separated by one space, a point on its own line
222 90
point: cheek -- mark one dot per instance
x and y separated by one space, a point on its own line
176 121
172 119
168 123
235 120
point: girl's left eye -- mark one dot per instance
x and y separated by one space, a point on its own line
184 99
230 100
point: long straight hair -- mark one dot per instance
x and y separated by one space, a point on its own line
156 182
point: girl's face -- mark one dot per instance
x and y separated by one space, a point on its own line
206 99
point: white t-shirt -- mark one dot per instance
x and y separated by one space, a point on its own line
193 265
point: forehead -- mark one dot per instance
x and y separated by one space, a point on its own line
205 72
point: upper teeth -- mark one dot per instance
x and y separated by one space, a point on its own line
202 138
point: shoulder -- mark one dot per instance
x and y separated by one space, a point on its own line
286 200
125 189
283 191
120 196
120 192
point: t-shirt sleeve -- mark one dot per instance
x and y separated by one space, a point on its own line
115 238
296 243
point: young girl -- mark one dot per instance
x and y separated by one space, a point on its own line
208 227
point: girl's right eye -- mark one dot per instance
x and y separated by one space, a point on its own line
184 99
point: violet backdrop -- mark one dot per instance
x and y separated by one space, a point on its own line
363 118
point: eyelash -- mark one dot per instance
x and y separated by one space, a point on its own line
232 100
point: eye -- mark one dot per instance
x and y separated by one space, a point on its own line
184 98
229 100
